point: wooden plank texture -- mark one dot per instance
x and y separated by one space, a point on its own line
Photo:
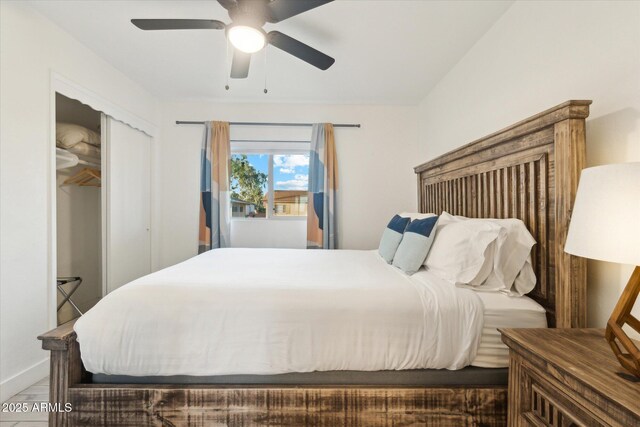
528 171
568 377
291 406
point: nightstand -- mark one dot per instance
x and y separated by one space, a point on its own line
566 377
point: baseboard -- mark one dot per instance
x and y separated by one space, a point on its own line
24 379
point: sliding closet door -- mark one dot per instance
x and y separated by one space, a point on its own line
128 204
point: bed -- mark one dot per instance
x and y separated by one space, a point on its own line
298 312
528 171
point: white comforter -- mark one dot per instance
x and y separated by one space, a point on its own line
270 311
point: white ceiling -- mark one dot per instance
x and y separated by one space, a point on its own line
390 52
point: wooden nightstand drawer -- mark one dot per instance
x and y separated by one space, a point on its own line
546 410
567 377
544 401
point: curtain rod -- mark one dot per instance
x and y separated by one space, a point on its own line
337 125
269 140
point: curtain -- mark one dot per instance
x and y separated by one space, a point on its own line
215 172
323 187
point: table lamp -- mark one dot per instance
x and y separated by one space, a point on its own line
605 225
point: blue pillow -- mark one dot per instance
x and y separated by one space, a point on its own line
415 244
391 237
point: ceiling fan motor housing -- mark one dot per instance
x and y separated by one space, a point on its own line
250 13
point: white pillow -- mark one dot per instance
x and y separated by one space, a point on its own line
68 135
462 252
511 257
512 250
416 215
525 280
84 149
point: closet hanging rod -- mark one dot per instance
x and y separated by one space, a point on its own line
336 125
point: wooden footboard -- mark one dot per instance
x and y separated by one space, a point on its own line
240 405
65 369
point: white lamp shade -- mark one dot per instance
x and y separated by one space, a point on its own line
605 223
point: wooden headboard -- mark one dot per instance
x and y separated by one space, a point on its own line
529 170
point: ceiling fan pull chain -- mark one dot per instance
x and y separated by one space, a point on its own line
265 68
226 61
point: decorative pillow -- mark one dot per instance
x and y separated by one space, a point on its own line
68 135
463 251
415 244
511 252
416 215
391 237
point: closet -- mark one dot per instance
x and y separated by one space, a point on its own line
102 205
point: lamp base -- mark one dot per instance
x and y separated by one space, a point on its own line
622 315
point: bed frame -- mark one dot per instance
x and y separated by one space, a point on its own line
529 170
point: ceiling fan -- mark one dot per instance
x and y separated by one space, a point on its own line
245 30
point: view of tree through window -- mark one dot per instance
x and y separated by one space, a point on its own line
249 175
251 185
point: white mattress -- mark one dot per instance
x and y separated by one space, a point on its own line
499 311
503 311
271 311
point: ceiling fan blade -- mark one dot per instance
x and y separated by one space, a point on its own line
178 24
300 50
279 10
228 4
240 64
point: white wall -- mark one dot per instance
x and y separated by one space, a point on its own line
31 48
269 233
537 55
375 166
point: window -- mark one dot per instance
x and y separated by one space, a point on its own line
269 185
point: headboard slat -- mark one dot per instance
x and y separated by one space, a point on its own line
530 171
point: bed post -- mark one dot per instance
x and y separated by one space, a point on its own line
571 271
65 371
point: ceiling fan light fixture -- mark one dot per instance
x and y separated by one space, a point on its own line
247 39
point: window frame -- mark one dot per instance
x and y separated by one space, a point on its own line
298 148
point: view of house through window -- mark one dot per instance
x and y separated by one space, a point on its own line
269 185
290 184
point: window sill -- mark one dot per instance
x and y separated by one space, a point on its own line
284 218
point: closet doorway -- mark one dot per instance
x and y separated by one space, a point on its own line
102 206
78 208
